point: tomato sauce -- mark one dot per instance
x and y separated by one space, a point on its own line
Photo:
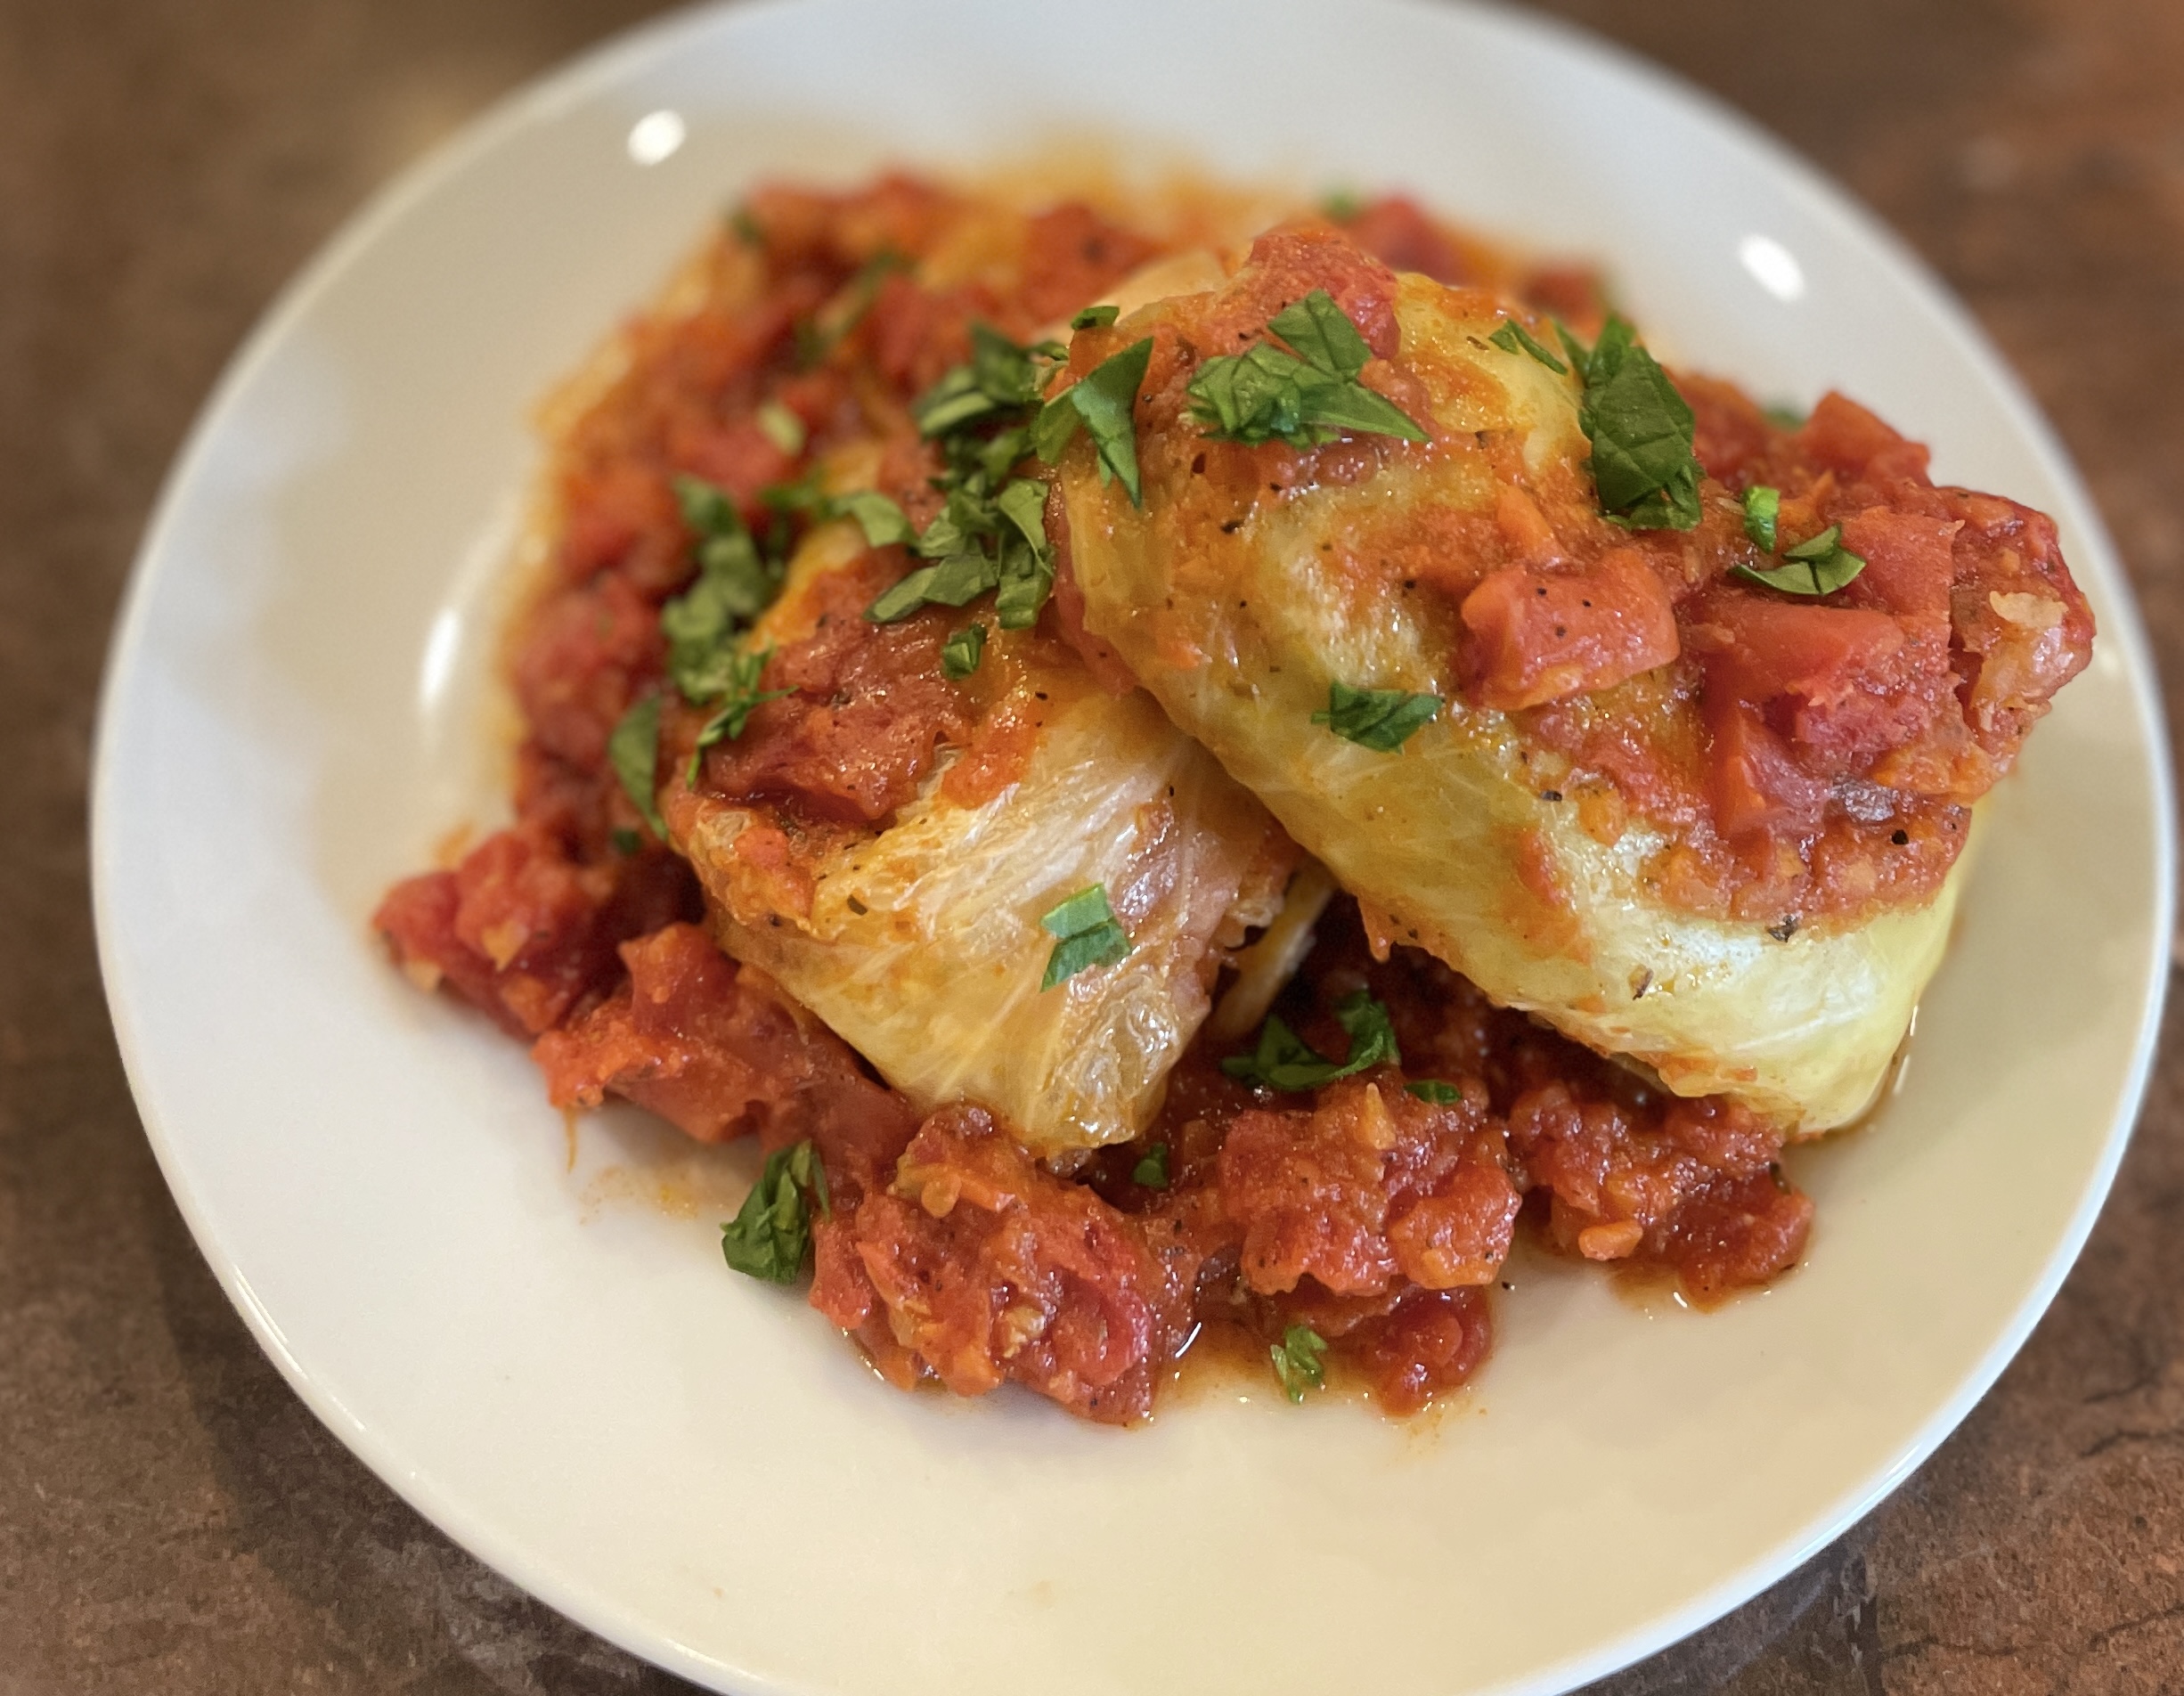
1376 1214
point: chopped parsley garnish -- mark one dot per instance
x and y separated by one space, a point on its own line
704 624
1819 567
624 841
772 1237
735 584
748 230
1095 317
1380 719
1762 507
956 581
990 533
633 750
1026 560
1150 1172
882 522
1513 337
1300 1361
1086 933
961 654
734 705
1432 1089
1784 418
786 500
782 428
1000 377
1342 205
1304 398
1102 400
1285 1060
1641 431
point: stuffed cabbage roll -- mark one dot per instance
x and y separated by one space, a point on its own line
1012 886
1651 714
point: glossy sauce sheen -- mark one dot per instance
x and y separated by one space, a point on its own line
1375 1216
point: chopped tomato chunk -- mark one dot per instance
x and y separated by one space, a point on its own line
714 1049
1535 636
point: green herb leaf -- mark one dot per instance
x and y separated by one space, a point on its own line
1641 431
770 1238
1055 424
1432 1089
1095 317
633 750
625 842
1784 418
1103 400
1762 507
953 582
1027 561
1580 355
747 229
1022 501
1513 337
1323 335
961 654
882 522
999 376
741 698
1300 1361
1379 719
1285 1060
1827 542
735 584
1150 1172
1027 580
782 428
1304 398
1255 397
1342 205
1818 567
1087 934
801 496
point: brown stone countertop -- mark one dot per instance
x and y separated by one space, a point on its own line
172 1519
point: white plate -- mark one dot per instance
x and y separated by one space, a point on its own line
696 1467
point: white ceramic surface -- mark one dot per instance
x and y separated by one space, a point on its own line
570 1383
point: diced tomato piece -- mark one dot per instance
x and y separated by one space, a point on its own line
1843 684
1396 232
872 710
738 457
1909 563
1843 434
1072 255
516 929
1429 1344
1755 784
1535 636
983 1267
717 1049
1372 1187
1287 264
587 653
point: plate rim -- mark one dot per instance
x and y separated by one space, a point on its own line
598 68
